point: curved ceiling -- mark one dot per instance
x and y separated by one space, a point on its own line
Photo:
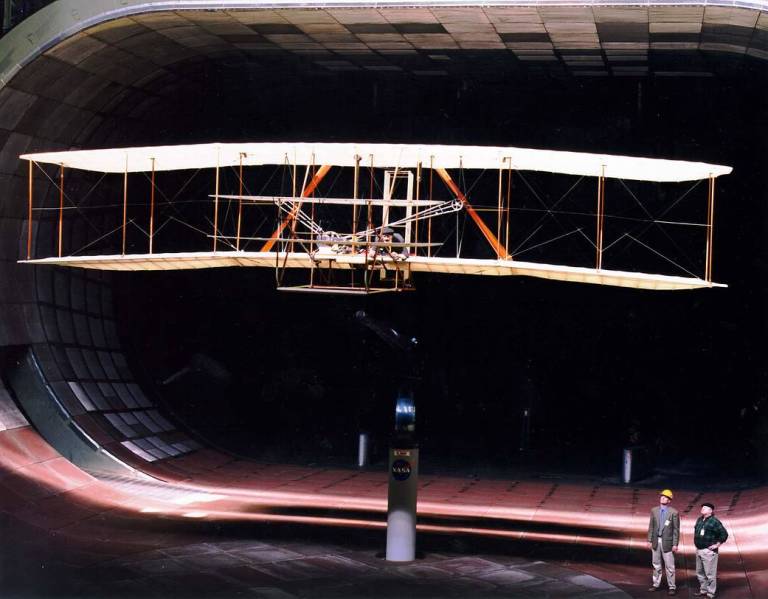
587 38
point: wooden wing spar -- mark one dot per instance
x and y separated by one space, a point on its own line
382 231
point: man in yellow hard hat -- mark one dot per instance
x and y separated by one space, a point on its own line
663 538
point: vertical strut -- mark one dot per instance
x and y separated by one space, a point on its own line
152 209
429 220
710 228
368 229
369 217
418 197
294 175
61 206
498 209
29 215
239 203
354 206
125 203
600 217
509 207
312 231
216 205
294 183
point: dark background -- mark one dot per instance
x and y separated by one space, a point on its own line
681 372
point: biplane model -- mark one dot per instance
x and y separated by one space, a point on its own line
377 236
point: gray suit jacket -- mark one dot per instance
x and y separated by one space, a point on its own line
670 534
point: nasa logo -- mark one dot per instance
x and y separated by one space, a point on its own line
401 469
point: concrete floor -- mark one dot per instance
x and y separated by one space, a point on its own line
220 527
295 568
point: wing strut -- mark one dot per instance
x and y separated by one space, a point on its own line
61 206
487 233
240 201
152 209
710 228
29 218
600 219
125 203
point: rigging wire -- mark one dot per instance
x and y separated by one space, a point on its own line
186 224
538 245
170 202
548 209
471 187
664 213
70 200
663 231
265 216
95 241
477 207
663 256
588 238
463 230
488 208
517 249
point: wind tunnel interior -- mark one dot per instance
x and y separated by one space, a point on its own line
219 358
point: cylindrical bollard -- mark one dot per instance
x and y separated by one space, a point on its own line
626 467
525 431
401 508
362 451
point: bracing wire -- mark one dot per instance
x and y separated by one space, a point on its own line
70 200
98 239
654 222
549 210
663 256
543 243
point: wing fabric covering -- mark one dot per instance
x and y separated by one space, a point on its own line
456 266
198 156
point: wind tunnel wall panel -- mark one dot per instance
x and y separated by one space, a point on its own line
10 416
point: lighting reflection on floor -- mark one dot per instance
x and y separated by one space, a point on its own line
595 528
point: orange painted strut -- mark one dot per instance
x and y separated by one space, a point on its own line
61 207
29 216
710 229
307 191
152 209
600 220
487 233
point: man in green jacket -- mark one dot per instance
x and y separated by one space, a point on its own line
708 535
663 539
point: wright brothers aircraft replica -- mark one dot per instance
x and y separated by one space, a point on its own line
381 234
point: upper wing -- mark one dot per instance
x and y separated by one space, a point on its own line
167 158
